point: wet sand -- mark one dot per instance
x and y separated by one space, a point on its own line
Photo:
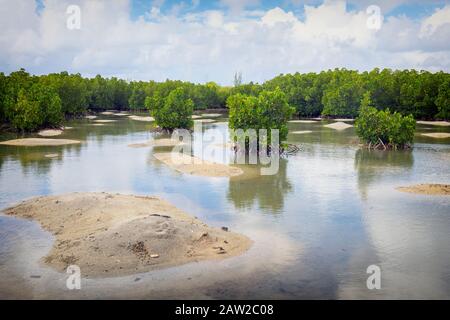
50 132
114 235
338 126
437 135
195 166
33 142
435 123
429 189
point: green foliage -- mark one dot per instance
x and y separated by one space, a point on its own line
443 99
173 112
269 110
381 128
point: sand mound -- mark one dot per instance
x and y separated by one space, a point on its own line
157 143
195 166
338 126
91 117
439 135
113 235
344 120
301 132
107 113
97 124
144 119
195 117
50 133
435 123
34 142
52 155
120 114
302 121
104 121
205 120
431 189
211 115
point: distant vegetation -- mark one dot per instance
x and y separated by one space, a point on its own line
381 129
30 102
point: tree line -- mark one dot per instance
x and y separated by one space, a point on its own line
29 102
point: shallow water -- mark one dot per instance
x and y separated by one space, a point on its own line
330 212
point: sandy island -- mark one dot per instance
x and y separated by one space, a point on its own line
144 119
438 135
302 121
338 125
114 235
430 189
211 115
157 143
104 121
90 117
205 120
195 166
435 123
50 132
34 142
301 132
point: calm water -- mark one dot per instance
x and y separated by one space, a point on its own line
330 212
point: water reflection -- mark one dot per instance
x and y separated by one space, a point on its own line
373 165
268 192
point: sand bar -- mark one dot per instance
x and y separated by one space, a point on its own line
302 121
104 121
195 116
205 120
435 123
144 119
188 164
212 115
107 113
438 135
91 117
429 189
52 155
114 235
38 142
338 126
50 132
157 143
301 132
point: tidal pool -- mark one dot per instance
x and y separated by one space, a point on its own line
330 212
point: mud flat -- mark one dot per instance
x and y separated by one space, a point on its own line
34 142
435 123
113 234
104 121
302 121
430 189
338 126
144 119
438 135
188 164
157 143
50 132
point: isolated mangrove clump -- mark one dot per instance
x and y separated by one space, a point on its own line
269 110
173 111
382 129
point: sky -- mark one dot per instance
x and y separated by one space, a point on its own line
211 40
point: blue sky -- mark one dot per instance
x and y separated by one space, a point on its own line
200 40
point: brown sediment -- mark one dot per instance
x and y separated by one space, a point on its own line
195 166
438 135
430 189
33 142
114 235
338 126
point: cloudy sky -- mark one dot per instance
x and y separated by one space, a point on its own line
210 40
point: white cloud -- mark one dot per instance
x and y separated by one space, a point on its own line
212 45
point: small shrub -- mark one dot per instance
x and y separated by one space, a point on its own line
173 112
383 129
269 110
